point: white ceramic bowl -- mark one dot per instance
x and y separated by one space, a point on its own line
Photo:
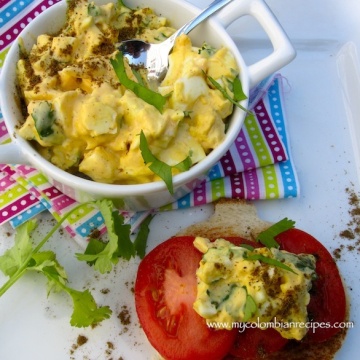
150 195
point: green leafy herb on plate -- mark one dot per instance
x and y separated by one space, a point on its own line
104 255
23 257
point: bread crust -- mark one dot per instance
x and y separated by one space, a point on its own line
232 217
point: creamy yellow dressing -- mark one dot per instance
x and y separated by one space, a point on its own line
96 120
234 288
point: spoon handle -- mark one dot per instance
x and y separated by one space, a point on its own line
213 7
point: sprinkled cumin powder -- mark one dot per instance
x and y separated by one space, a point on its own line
80 341
124 315
352 231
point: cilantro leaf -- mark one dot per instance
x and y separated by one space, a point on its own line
94 247
23 257
126 248
13 258
250 306
86 312
46 263
239 94
268 260
237 88
104 255
247 247
267 237
93 10
158 167
141 237
104 260
138 76
144 93
121 3
44 118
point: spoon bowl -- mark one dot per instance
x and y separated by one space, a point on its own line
155 57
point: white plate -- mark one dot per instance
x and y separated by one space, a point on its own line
322 101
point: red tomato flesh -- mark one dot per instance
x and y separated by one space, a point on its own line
327 296
165 291
254 343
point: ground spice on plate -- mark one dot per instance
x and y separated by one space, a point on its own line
124 315
352 231
80 341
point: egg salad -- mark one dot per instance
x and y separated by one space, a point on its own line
240 284
83 119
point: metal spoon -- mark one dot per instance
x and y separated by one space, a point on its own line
155 57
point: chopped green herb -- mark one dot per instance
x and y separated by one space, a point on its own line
144 93
141 237
44 118
121 3
93 10
304 262
239 94
158 167
250 306
207 49
138 76
268 260
267 237
246 246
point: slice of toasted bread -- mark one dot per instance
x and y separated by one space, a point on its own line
232 217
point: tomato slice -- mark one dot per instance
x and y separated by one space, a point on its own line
254 343
328 300
165 290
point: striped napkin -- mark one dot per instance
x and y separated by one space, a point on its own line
257 166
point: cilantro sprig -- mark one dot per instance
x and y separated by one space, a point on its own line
24 256
44 119
267 260
144 93
250 307
267 237
105 255
238 91
158 167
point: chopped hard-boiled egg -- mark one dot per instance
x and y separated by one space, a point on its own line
91 122
261 285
